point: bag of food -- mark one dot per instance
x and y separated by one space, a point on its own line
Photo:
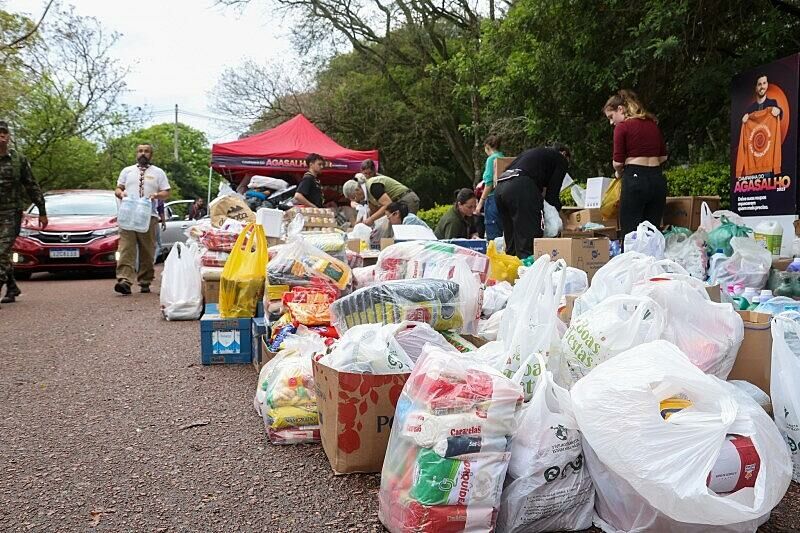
647 239
552 221
609 205
748 265
448 449
719 239
301 264
664 486
369 349
708 333
311 305
432 301
617 324
218 240
214 259
417 259
689 252
181 286
784 379
547 486
242 283
230 206
470 290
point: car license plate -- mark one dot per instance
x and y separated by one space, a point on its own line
64 253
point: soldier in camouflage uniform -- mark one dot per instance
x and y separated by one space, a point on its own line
15 174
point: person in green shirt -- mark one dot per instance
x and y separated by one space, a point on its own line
458 222
488 203
379 191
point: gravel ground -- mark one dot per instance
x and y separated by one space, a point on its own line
94 390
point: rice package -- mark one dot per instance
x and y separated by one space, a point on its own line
449 446
416 259
431 301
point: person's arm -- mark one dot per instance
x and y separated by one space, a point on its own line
553 193
302 200
488 183
33 190
384 202
620 149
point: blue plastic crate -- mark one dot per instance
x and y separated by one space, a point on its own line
478 245
225 340
212 309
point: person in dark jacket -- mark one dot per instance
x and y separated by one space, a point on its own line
459 222
534 176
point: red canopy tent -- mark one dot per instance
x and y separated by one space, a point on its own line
281 151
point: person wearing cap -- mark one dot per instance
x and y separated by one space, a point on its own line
15 175
379 191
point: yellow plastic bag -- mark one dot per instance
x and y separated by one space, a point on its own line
609 207
244 276
502 267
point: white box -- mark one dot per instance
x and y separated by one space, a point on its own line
595 189
271 219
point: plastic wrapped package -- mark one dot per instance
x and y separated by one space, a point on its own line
181 285
689 252
470 290
777 305
664 486
784 377
576 282
618 276
354 260
332 243
242 284
548 487
266 182
299 263
218 240
495 298
369 349
210 273
708 333
748 265
617 324
364 276
432 301
214 259
413 336
415 259
448 450
311 305
647 239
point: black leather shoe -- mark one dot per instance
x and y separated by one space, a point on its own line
145 289
122 288
8 299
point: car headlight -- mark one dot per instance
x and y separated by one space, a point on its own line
25 232
105 232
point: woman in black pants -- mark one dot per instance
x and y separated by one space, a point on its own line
639 152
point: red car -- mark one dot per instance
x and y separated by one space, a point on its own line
81 234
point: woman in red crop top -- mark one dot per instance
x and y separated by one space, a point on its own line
639 152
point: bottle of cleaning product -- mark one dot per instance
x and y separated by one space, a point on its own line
794 266
766 294
770 234
754 303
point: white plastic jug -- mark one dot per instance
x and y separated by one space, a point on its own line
134 214
770 234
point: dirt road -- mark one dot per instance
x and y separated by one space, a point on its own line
94 390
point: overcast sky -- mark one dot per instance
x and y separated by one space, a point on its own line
177 50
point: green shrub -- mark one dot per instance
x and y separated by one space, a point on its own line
433 215
709 178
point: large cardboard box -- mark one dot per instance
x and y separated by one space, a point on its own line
356 412
574 217
500 166
587 254
754 360
684 211
211 292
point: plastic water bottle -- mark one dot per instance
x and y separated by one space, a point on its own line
794 266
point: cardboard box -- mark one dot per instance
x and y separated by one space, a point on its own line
754 360
574 217
210 292
684 211
714 293
225 340
595 190
386 242
500 166
586 254
356 412
781 263
610 233
354 245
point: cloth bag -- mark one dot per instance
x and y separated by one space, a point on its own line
243 278
647 239
617 408
181 285
547 487
784 379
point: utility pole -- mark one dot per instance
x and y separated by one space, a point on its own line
176 133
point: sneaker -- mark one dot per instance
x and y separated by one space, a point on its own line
13 291
145 289
122 288
8 299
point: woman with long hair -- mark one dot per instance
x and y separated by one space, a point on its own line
639 153
459 222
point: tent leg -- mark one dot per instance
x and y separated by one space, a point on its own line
210 174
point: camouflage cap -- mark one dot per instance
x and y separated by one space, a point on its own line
4 126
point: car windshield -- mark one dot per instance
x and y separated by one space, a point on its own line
78 204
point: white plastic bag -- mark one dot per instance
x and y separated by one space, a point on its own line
181 284
689 252
578 194
613 326
470 293
758 395
489 329
552 221
784 380
577 281
710 221
547 487
273 184
749 265
708 333
667 462
413 336
495 298
647 239
369 349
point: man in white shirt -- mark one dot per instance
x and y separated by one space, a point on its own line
141 180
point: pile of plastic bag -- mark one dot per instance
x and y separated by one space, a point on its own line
369 349
181 285
432 301
785 375
448 450
656 430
